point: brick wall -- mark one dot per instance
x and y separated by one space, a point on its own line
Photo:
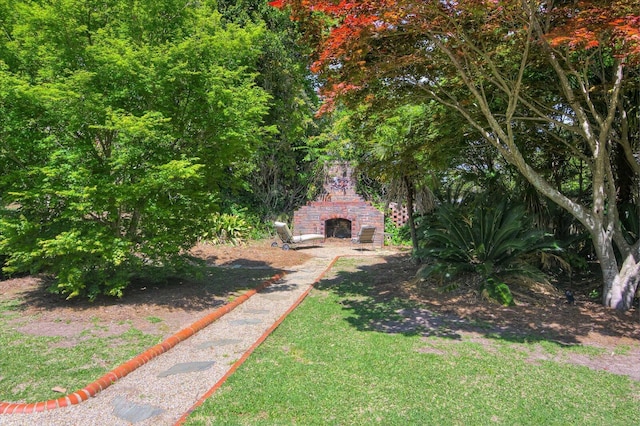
399 214
310 219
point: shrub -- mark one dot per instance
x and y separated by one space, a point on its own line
91 257
397 235
114 165
227 228
491 241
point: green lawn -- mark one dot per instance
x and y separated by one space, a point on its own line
31 366
326 364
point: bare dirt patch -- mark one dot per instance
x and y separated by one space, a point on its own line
541 314
152 308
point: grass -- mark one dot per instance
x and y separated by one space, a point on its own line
328 364
31 366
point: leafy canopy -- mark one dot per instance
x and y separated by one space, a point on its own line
535 79
120 123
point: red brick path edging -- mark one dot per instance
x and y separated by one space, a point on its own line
124 369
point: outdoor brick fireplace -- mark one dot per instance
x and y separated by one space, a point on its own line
339 212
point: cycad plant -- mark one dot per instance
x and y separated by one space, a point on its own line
488 239
630 218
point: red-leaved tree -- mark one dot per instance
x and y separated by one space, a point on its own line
567 67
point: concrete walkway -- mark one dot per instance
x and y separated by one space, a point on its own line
164 389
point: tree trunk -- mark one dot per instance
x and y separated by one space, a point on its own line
620 281
410 202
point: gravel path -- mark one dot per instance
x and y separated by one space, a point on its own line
161 391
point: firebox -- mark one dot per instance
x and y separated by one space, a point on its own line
337 228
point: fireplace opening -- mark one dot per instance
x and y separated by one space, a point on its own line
337 228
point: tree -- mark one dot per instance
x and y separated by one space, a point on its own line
396 145
565 67
120 124
285 166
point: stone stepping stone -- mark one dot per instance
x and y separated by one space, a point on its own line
218 342
246 321
276 296
133 412
187 367
257 311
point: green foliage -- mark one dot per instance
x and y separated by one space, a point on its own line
630 218
227 229
490 240
286 169
595 294
498 291
120 130
397 235
401 139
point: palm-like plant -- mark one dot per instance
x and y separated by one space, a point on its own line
490 240
630 218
